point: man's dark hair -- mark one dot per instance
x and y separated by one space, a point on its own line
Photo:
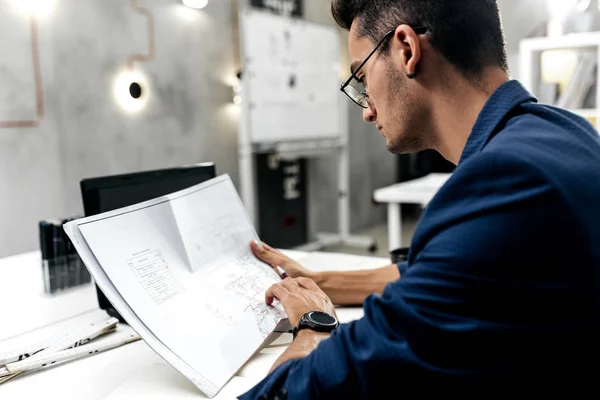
467 33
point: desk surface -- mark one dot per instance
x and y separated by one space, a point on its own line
418 191
133 371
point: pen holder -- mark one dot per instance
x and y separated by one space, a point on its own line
62 267
399 255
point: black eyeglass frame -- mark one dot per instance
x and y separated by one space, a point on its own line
419 30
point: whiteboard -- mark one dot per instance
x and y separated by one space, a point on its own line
290 80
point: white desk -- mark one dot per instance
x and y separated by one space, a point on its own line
130 372
417 191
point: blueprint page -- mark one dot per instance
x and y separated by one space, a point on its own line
184 266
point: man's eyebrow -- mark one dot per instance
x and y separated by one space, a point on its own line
354 66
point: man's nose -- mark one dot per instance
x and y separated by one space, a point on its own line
370 115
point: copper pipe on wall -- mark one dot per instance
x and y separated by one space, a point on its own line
235 23
151 39
39 89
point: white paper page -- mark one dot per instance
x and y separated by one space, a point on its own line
216 231
210 312
130 316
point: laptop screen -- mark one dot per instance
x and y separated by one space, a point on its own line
112 192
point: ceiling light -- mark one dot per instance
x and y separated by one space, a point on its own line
36 8
195 3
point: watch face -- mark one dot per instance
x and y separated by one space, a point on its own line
322 318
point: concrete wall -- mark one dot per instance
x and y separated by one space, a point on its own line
84 44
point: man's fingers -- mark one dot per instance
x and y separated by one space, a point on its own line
276 291
262 252
290 284
307 283
269 255
257 247
269 248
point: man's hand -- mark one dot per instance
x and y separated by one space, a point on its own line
342 287
299 296
274 258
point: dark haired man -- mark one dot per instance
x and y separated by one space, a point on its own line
501 289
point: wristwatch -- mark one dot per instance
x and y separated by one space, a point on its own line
317 321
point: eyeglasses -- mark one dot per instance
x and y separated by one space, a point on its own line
355 88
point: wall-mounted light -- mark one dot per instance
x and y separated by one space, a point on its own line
237 95
237 89
131 91
199 4
36 8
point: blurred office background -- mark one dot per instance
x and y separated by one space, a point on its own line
66 112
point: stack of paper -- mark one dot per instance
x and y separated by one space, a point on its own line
68 346
180 271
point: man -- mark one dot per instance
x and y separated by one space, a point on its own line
501 288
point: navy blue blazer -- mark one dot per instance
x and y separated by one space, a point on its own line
500 291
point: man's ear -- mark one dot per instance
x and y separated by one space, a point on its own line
410 50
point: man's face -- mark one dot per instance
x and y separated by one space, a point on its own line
397 112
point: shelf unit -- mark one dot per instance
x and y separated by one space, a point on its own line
530 61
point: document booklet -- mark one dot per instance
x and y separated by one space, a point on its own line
180 271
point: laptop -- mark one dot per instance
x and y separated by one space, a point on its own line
108 193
